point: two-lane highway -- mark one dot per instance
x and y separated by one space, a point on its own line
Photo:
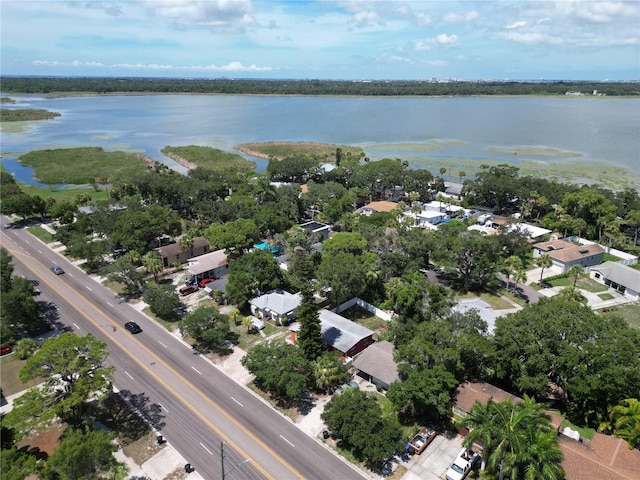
194 405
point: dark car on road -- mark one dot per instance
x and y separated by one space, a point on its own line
57 270
132 327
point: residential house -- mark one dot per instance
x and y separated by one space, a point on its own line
601 457
377 207
279 305
173 253
376 364
565 255
621 277
425 218
532 232
209 265
341 334
321 230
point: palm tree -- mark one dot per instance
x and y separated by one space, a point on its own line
624 421
443 171
519 276
153 263
543 261
575 272
519 440
511 265
247 322
462 174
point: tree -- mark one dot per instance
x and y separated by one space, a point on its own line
125 272
575 272
624 422
561 348
74 371
359 419
25 348
17 464
510 266
136 229
425 393
84 454
252 273
543 261
153 263
310 336
207 326
345 242
162 300
328 371
19 311
235 237
344 274
519 439
279 369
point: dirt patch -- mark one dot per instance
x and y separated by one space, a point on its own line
43 443
181 160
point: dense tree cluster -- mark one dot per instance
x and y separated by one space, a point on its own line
307 87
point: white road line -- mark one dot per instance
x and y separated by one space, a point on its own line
76 325
208 451
109 304
88 288
196 370
162 344
237 402
39 251
287 441
127 373
163 407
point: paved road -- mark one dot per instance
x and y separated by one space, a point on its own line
190 401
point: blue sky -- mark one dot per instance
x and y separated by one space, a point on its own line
358 39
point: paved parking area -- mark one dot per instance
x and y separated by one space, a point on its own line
433 463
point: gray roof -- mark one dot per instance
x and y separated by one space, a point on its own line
377 361
339 332
620 274
207 262
277 301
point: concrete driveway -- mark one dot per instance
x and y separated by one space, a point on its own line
434 462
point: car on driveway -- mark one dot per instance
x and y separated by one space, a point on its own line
462 465
204 282
187 289
132 327
57 270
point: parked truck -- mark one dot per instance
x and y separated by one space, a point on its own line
462 465
422 439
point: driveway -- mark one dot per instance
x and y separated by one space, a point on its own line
433 463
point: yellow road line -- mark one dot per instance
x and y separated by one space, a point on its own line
171 389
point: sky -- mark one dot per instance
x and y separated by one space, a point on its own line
323 39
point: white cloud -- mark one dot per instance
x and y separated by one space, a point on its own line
230 67
225 15
461 17
441 40
516 25
366 19
73 63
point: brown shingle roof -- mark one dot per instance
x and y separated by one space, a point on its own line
566 251
382 206
602 458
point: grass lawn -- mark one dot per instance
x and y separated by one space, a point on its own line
41 233
606 296
585 432
10 366
629 311
495 301
607 257
366 319
583 282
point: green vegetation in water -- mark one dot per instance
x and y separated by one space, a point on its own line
409 147
26 114
7 100
85 165
207 157
280 150
541 151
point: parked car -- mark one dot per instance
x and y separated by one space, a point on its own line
57 270
191 281
204 282
118 252
462 465
132 327
422 439
5 349
187 289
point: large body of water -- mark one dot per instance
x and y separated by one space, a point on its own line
603 131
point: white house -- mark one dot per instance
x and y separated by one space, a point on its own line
624 279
